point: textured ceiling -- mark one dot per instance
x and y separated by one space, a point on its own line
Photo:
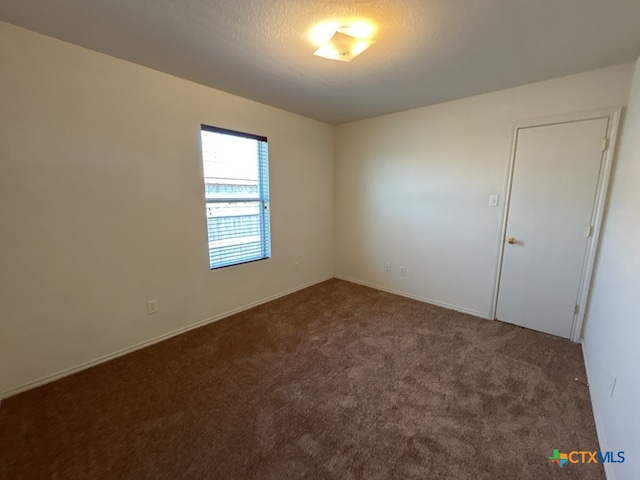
427 51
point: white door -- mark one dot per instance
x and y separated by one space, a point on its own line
553 190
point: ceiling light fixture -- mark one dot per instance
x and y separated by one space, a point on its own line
345 42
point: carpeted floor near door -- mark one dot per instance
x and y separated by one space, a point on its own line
337 381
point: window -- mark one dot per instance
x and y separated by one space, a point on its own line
236 183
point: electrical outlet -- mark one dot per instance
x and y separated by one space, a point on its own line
296 267
387 267
152 307
403 270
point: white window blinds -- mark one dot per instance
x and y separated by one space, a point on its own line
236 182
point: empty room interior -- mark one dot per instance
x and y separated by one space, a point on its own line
319 239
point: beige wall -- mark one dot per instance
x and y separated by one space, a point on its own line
101 205
412 188
612 331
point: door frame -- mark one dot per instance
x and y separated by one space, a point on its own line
613 116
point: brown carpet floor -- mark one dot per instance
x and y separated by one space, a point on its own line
336 381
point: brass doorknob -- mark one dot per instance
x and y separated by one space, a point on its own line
512 240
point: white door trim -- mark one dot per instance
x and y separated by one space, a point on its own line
613 116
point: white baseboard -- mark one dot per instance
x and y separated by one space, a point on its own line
69 371
416 297
602 442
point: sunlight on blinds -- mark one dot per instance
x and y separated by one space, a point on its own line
236 181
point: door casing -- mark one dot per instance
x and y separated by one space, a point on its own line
613 115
